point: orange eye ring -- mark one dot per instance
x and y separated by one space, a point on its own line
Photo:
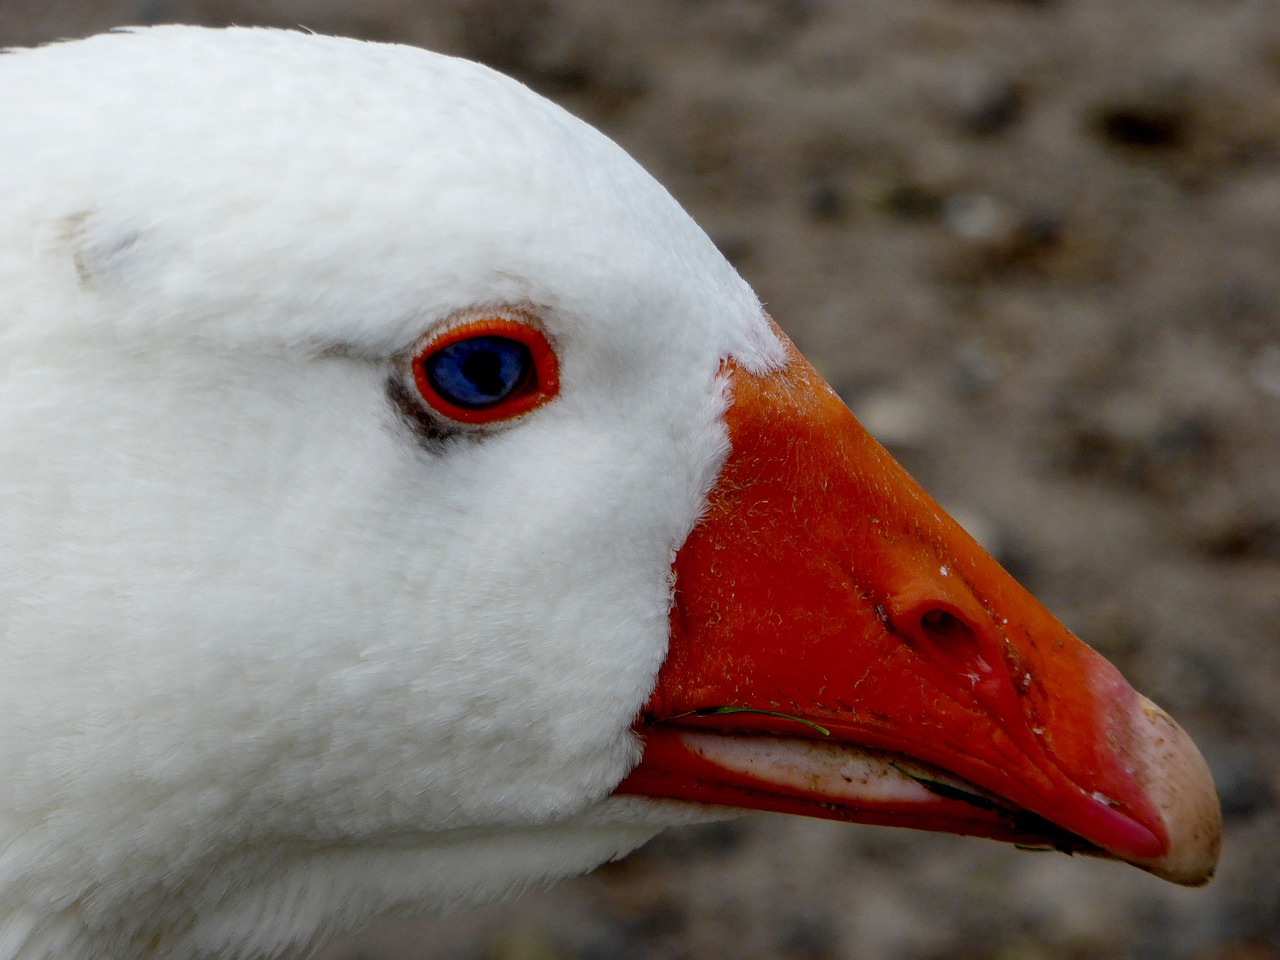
486 370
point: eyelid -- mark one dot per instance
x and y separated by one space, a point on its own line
544 382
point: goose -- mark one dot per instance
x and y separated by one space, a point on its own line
404 503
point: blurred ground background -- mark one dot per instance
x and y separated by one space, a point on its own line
1036 245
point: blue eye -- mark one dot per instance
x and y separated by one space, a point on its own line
492 369
478 372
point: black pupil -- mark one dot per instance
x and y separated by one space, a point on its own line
479 372
484 370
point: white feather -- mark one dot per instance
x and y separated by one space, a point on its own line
271 665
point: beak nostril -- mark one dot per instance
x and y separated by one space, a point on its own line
949 638
944 626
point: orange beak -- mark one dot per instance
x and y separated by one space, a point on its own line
841 648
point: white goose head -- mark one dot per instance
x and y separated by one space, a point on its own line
285 645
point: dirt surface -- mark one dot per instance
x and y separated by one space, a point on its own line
1037 247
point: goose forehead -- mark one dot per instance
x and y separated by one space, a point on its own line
320 189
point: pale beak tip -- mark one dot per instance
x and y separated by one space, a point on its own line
1181 789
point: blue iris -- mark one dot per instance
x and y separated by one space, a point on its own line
478 372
